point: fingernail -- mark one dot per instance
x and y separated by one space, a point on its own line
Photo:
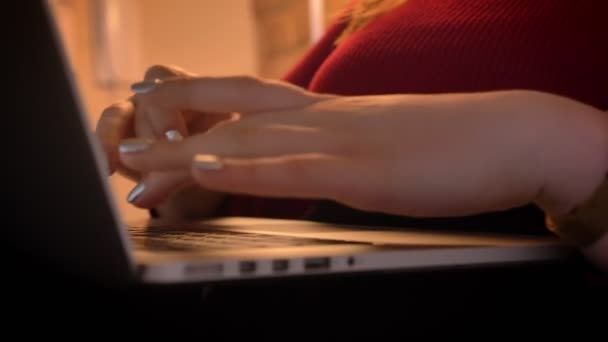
145 87
174 135
207 162
137 190
134 145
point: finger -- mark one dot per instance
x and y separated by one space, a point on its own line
199 122
164 72
142 131
165 124
222 94
156 187
202 123
238 141
173 127
116 121
297 176
148 182
114 125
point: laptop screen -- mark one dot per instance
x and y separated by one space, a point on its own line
62 204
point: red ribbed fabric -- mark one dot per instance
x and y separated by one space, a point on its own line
437 46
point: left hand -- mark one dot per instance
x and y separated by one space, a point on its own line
163 191
415 155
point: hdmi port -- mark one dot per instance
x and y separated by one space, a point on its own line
316 264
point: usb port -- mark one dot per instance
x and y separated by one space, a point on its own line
247 267
316 264
280 265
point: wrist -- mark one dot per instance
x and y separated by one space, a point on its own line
573 159
587 223
571 154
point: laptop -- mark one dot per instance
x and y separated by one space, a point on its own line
65 212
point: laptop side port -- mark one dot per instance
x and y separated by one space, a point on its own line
351 261
280 265
247 267
203 270
316 264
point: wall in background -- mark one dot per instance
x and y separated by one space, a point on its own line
205 36
283 31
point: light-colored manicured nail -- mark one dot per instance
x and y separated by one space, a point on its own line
145 87
134 145
137 190
207 162
174 135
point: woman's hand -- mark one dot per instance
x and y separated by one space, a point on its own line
168 192
415 155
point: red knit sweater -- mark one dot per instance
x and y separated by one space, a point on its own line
437 46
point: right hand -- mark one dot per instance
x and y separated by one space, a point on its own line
167 192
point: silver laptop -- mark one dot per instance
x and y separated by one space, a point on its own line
66 215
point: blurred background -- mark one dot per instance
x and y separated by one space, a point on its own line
110 44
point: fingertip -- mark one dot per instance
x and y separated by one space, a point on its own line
156 188
145 87
206 166
207 162
174 135
136 193
143 197
134 145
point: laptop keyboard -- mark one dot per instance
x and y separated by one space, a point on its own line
176 240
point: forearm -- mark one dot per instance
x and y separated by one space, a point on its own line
546 148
